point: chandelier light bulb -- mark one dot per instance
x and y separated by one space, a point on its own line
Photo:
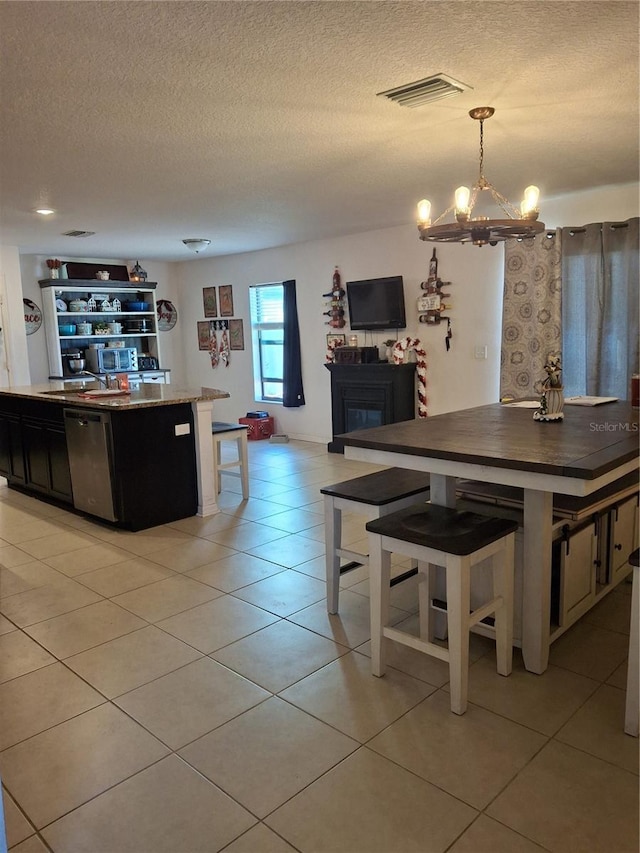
462 197
424 211
529 204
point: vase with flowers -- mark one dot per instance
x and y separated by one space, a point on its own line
552 392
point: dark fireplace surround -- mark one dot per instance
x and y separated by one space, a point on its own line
369 395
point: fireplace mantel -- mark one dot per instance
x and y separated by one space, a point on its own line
368 395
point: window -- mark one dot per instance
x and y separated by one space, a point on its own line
267 333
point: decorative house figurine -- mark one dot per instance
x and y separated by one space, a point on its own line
92 305
105 305
116 305
552 396
137 273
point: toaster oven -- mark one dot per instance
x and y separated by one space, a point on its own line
112 359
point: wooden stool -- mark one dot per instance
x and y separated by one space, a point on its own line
230 432
631 711
457 540
373 496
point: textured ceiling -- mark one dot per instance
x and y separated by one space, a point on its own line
256 124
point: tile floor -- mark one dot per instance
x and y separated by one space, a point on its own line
182 689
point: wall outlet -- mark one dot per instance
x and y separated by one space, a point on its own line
183 429
480 351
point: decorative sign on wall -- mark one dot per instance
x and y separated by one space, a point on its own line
226 300
167 315
204 333
210 302
32 316
236 334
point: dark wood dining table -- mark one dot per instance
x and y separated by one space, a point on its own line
592 447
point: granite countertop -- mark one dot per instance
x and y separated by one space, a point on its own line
147 394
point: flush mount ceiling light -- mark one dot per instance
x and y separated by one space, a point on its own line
196 245
45 211
481 229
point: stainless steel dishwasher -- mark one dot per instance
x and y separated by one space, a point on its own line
90 449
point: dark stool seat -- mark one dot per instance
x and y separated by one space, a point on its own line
373 495
380 488
444 529
634 559
457 540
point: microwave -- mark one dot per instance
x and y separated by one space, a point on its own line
112 359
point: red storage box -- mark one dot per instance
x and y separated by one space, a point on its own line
258 428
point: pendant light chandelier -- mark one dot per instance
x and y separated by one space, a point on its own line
481 229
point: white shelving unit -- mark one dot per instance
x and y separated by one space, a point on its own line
67 290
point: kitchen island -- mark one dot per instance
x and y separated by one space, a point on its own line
136 460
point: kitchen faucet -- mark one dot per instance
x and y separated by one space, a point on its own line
102 379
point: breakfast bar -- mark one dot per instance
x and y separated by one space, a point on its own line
590 449
136 459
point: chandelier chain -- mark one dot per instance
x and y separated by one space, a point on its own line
481 148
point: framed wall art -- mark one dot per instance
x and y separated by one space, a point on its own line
210 302
204 334
167 315
340 340
226 300
236 334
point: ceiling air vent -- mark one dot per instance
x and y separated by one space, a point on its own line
78 233
425 91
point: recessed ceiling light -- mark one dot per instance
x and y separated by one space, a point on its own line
45 211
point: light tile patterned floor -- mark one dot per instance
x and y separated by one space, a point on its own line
182 689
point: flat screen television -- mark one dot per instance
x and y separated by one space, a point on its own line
376 303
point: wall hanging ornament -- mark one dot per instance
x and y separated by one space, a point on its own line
167 315
32 316
430 304
213 345
399 350
224 348
335 306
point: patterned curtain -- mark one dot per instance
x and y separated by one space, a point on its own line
532 311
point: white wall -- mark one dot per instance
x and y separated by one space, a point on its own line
14 362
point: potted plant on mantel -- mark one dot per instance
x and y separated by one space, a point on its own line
552 392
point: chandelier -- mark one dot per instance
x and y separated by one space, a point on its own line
481 229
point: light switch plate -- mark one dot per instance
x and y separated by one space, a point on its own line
183 429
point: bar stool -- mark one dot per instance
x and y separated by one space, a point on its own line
457 540
230 432
373 496
631 710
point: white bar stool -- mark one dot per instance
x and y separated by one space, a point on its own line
230 432
632 705
372 496
457 540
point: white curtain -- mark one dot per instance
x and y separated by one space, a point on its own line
600 308
532 306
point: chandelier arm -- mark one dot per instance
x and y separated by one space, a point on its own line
442 215
511 211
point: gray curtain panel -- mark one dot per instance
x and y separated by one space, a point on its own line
600 308
532 310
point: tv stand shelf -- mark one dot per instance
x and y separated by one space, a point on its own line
369 395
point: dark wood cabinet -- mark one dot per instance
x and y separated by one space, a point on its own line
369 395
11 451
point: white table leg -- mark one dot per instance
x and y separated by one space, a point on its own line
536 580
442 493
207 497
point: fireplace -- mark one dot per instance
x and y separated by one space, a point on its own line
369 395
